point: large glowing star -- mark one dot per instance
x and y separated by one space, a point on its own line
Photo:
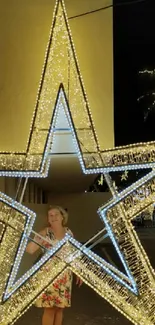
129 292
61 67
132 292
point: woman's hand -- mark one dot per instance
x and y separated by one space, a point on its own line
32 247
43 242
78 281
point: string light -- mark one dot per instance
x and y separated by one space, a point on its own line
148 96
116 226
101 180
11 286
132 293
61 67
124 176
146 71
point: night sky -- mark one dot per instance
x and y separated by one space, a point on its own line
134 49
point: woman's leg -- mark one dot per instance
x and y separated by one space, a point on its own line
48 316
58 316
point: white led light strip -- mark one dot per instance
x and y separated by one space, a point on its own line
11 287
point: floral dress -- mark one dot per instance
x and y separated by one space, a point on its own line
58 294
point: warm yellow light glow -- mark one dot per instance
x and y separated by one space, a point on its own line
140 308
61 66
137 308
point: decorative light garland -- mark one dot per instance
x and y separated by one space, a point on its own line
133 293
147 71
60 67
149 95
120 227
13 286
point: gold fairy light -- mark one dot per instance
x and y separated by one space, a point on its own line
101 180
91 268
133 292
124 176
61 67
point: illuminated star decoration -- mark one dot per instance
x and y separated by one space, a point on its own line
101 180
124 176
11 292
147 98
129 291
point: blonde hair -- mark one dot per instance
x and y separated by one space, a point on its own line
62 211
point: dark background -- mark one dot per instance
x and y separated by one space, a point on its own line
134 49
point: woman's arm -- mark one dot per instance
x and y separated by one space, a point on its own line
32 247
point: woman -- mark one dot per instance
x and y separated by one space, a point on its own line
50 300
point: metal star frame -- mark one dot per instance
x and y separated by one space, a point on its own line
133 293
64 69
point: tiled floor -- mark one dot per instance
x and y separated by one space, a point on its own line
87 307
